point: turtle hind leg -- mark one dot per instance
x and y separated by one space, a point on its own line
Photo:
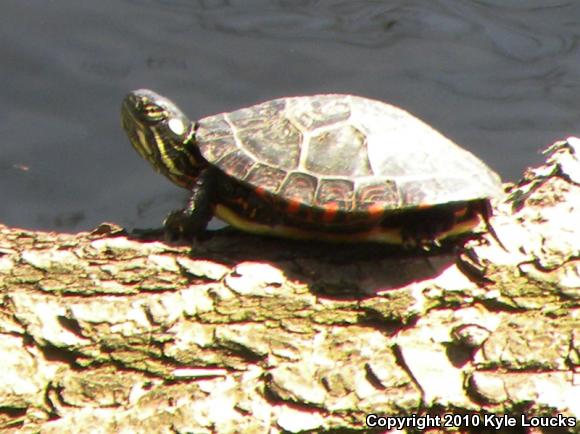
191 222
421 229
432 227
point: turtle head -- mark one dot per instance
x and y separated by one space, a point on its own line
162 135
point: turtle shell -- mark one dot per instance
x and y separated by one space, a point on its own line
345 152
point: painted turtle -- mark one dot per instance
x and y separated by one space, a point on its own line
325 167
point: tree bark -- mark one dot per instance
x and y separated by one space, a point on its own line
109 332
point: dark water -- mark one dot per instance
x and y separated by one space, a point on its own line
499 77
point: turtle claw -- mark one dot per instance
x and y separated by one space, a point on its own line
179 225
421 242
175 227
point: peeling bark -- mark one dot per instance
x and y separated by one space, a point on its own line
108 332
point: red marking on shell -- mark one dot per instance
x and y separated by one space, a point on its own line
330 211
293 206
300 187
266 177
260 191
337 192
382 193
376 211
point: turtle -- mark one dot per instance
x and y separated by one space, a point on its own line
329 167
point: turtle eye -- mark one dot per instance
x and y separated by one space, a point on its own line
153 112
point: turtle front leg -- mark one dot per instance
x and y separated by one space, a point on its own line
191 222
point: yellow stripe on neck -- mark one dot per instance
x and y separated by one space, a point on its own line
165 158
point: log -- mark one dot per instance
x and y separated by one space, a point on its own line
110 331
